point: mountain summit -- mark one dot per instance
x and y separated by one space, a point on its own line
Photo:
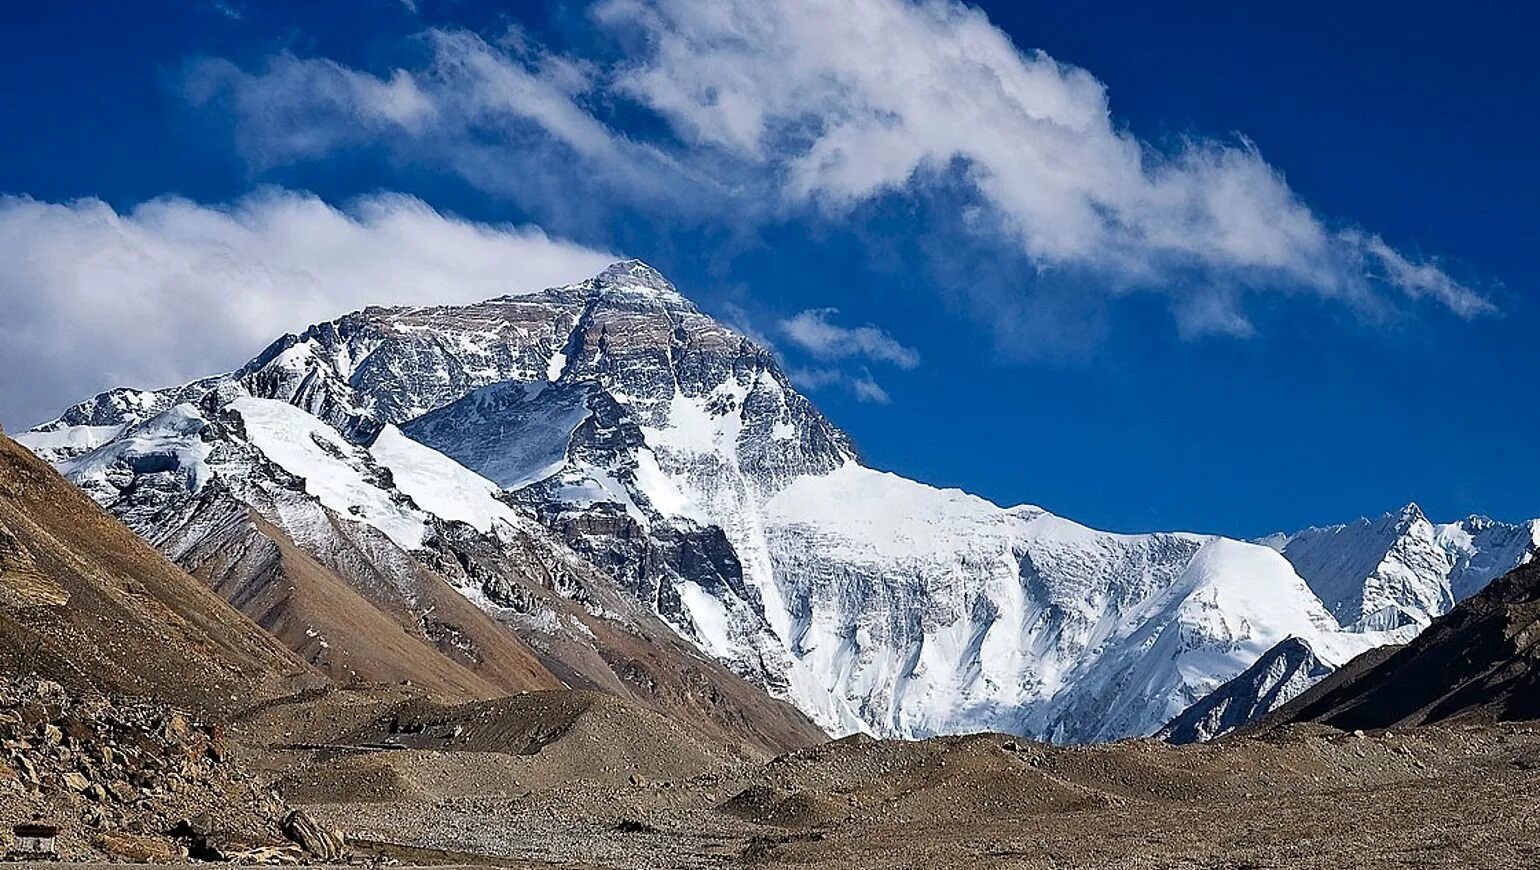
613 476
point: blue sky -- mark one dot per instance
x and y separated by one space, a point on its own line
1285 281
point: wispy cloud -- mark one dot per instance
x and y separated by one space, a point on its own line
508 116
868 390
812 108
860 384
813 331
291 109
172 290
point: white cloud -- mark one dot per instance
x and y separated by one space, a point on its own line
868 390
853 99
861 384
172 290
814 107
509 117
812 331
290 111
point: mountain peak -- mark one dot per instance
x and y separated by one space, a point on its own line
635 275
1409 514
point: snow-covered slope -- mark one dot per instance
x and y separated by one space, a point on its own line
933 611
642 441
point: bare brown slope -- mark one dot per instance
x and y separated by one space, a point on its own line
357 606
406 627
1478 663
660 671
85 602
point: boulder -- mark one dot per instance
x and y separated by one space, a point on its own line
135 848
324 844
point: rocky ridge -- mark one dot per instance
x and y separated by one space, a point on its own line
1396 573
1402 569
1280 675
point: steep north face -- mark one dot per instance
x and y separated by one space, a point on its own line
653 467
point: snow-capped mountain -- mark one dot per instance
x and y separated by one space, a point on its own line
667 469
1396 573
1401 569
405 530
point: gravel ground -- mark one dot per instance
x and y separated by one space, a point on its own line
1431 797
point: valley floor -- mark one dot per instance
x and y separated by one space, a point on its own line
565 779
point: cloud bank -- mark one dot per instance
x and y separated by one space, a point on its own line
775 111
173 290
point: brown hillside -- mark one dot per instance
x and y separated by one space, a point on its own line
85 602
389 625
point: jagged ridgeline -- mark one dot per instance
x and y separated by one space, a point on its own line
601 486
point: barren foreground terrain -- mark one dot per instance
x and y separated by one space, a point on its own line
574 779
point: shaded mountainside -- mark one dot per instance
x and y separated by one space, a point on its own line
86 603
1478 663
1280 675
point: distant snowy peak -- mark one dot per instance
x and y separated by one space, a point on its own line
1385 578
104 417
1401 569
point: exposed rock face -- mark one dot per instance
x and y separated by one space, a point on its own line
606 458
1280 675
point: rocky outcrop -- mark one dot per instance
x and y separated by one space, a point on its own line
322 843
125 779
